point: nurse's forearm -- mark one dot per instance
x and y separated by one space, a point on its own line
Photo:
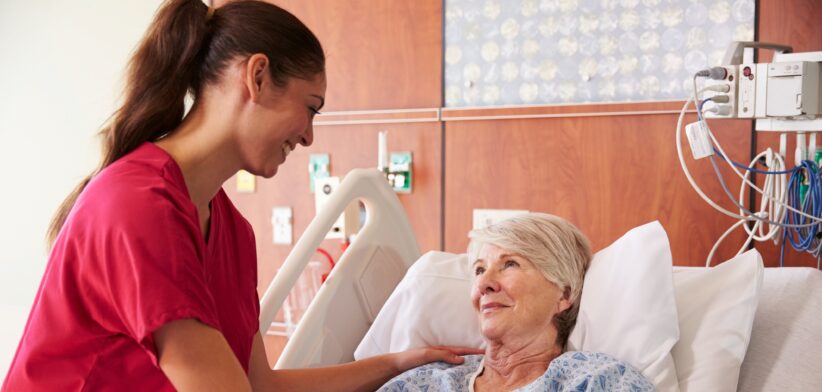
363 375
196 357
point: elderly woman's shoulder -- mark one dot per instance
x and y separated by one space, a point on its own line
436 376
593 371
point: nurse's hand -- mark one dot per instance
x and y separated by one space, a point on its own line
412 358
363 375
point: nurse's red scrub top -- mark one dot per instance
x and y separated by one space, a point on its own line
130 258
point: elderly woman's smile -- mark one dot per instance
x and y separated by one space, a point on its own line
491 307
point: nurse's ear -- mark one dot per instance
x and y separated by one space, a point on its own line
256 72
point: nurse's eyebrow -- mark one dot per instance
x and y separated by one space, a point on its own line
322 101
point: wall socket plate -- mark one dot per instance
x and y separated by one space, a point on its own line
485 217
281 223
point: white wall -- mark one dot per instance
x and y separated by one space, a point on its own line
61 64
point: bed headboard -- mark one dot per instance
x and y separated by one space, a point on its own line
361 281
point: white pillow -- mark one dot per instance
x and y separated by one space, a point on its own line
629 282
431 306
628 309
716 313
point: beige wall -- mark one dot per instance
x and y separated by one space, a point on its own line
60 67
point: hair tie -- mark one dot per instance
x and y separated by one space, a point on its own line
210 13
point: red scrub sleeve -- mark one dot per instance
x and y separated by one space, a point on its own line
152 269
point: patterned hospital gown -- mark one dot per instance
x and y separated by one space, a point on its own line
573 371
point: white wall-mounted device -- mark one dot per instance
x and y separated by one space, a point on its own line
783 95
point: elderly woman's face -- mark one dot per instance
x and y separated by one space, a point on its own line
511 296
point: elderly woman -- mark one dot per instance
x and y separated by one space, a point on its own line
528 280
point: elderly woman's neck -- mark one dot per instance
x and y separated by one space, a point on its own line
521 361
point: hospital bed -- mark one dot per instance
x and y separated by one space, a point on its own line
784 351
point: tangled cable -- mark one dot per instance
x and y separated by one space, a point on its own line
804 191
792 207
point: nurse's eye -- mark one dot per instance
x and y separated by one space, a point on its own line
313 111
479 270
511 263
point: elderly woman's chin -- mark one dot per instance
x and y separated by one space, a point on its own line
492 329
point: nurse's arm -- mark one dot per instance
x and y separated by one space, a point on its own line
196 357
363 375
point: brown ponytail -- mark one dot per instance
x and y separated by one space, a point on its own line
182 52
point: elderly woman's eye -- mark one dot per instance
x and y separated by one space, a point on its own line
479 270
511 263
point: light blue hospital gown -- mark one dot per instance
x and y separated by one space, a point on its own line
573 371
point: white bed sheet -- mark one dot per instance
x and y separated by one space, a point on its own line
785 352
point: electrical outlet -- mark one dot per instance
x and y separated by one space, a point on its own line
281 222
486 217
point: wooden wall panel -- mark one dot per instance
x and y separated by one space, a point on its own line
605 174
797 23
381 54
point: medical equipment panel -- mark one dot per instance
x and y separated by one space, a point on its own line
781 96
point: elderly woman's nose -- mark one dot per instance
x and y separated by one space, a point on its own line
487 282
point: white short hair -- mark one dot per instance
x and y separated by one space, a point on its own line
555 246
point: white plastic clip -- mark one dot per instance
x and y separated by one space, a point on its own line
698 137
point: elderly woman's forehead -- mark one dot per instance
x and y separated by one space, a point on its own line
491 251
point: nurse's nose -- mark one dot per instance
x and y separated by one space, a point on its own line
308 136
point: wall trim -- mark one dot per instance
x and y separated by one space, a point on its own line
419 115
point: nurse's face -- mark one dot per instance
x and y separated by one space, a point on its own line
511 296
281 119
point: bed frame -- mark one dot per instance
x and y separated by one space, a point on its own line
785 351
361 281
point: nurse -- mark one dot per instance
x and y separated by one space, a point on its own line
151 280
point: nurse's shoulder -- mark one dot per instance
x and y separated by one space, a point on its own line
143 189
